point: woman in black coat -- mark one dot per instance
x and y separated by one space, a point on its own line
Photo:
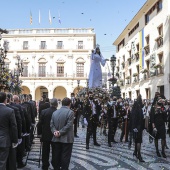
137 126
158 119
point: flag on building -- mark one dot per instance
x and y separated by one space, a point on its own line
39 19
30 17
50 21
59 19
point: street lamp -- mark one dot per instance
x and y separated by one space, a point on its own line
115 91
113 63
87 81
78 83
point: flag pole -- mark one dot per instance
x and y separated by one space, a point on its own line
39 17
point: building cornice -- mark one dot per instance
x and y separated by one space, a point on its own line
49 51
53 78
45 35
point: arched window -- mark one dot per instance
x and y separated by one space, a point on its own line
60 67
42 67
80 67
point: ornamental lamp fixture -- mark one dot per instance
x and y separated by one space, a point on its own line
113 61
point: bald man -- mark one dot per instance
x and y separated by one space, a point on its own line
21 146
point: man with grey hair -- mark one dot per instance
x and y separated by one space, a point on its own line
63 136
45 131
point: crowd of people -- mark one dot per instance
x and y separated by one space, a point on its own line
17 122
57 128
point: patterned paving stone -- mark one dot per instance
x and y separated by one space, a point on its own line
119 157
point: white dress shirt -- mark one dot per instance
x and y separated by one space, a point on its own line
93 107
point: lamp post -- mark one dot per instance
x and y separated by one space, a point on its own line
87 81
115 91
78 87
113 63
113 80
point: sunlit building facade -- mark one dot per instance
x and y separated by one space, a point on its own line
143 52
56 61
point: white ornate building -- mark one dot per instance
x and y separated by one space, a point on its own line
54 59
143 52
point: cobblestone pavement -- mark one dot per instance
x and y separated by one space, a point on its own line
119 157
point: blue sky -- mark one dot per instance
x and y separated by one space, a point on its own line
107 17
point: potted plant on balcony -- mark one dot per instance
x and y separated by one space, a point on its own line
123 64
121 82
144 71
128 79
158 66
135 74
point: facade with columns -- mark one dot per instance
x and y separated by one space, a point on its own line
54 59
143 52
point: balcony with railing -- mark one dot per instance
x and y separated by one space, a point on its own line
79 74
80 47
59 46
137 56
123 65
60 75
52 31
160 71
41 74
159 41
43 47
25 74
53 75
128 80
147 49
25 47
129 61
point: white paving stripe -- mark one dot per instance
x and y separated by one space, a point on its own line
86 156
120 157
83 163
159 166
149 158
118 169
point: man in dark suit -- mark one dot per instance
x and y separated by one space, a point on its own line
91 114
62 129
43 106
33 105
34 109
42 101
13 150
8 130
45 131
74 107
21 146
30 118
